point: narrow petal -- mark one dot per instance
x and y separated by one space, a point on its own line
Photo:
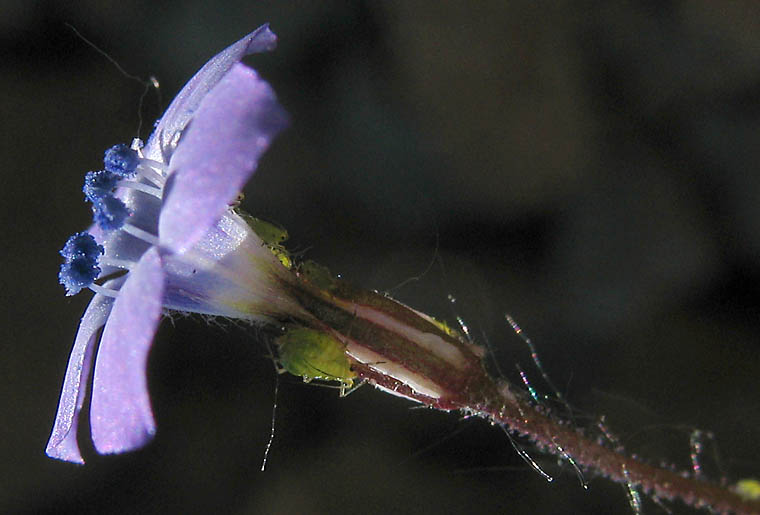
184 105
120 414
63 440
233 127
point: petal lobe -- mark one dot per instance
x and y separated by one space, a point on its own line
120 416
184 105
63 440
233 127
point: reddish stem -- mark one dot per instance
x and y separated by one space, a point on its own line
409 354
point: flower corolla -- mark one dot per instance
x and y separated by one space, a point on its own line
166 238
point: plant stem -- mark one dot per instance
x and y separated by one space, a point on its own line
409 354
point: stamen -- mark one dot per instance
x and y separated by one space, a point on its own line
99 184
140 234
156 165
81 244
110 212
78 273
117 263
152 171
121 160
150 190
104 291
80 268
125 162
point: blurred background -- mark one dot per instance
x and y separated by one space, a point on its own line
588 167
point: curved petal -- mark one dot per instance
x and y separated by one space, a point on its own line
183 107
63 440
120 414
233 127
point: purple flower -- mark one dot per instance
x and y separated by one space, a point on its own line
162 215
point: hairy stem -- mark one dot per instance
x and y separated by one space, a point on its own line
409 354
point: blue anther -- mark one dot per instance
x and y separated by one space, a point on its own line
121 160
78 273
110 213
82 244
99 184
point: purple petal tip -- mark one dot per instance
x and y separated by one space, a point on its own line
65 449
121 418
261 40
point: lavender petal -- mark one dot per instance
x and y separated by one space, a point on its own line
120 416
63 439
233 127
184 105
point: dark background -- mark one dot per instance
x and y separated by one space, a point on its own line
588 167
